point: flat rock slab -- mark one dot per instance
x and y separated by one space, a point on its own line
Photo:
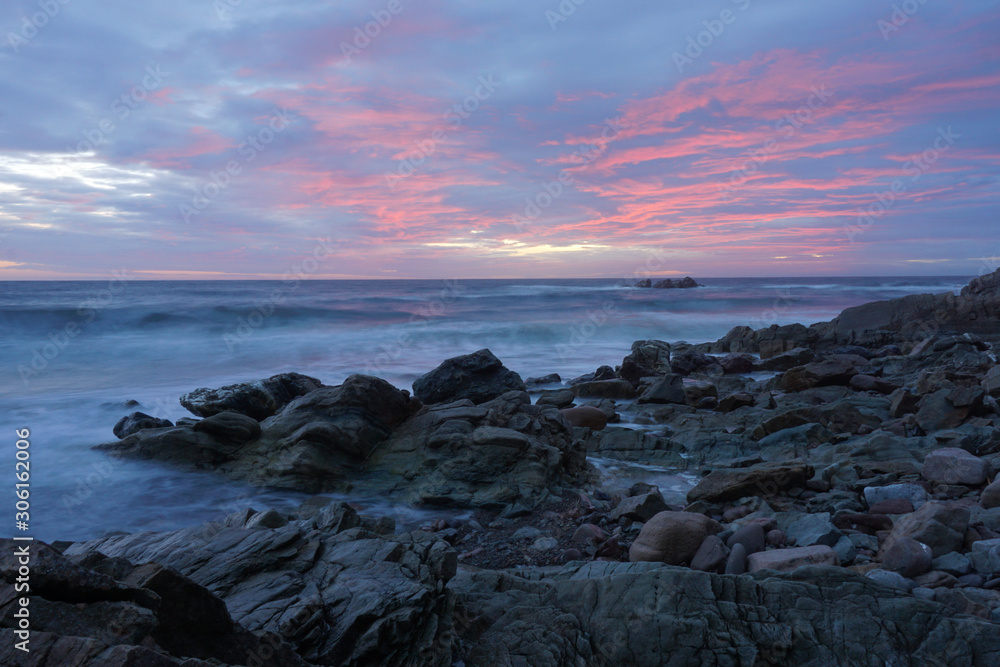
764 480
784 560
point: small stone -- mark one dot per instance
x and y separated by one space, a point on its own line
845 550
544 544
526 533
776 538
571 554
588 534
785 560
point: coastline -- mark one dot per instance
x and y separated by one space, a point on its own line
839 461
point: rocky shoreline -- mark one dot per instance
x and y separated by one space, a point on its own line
845 511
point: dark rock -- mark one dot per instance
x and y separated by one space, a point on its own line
785 560
903 403
258 399
560 398
908 557
618 389
690 362
869 383
138 421
736 563
672 537
799 356
586 416
939 525
739 363
892 506
589 534
639 508
711 555
478 377
229 427
813 529
551 378
776 538
648 358
646 282
763 480
736 401
668 389
991 495
833 370
752 538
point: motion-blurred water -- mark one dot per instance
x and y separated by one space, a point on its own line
73 352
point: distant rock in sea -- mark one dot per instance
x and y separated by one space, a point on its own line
667 283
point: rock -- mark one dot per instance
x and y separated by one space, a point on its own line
778 339
724 484
834 370
845 550
229 427
648 358
560 398
666 283
668 389
813 529
672 537
908 557
586 416
890 579
750 536
985 557
551 378
990 497
903 403
953 563
932 580
785 560
711 555
696 391
544 544
102 611
869 383
892 506
738 363
736 563
939 525
950 465
914 493
936 412
571 555
991 382
258 399
785 361
526 533
619 389
690 362
646 282
589 534
776 538
478 377
688 282
639 508
138 421
736 401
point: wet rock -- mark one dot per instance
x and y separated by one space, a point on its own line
696 391
478 377
551 378
560 398
138 421
586 416
784 560
724 484
258 399
672 537
950 465
648 358
668 389
908 557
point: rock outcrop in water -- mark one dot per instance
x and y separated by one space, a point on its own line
667 283
846 510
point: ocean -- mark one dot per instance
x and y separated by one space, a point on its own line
74 352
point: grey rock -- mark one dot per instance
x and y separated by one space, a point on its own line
138 421
648 358
526 533
711 555
750 536
891 579
736 563
953 563
560 398
814 529
642 507
845 550
545 544
911 492
478 377
785 560
985 557
939 525
950 465
668 389
258 399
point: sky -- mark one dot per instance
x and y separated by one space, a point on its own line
203 139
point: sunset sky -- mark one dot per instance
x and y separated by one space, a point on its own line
239 138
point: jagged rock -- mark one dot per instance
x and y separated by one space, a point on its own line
648 358
939 525
736 401
834 370
690 362
138 421
814 529
258 399
339 597
668 389
763 480
478 377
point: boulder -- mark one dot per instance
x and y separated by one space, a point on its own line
985 557
908 557
258 399
939 525
869 383
739 363
724 484
586 416
890 579
914 493
138 421
690 362
799 356
751 536
711 555
736 401
672 537
668 389
785 560
617 389
642 507
478 377
736 563
813 529
833 370
990 497
666 283
648 358
951 465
